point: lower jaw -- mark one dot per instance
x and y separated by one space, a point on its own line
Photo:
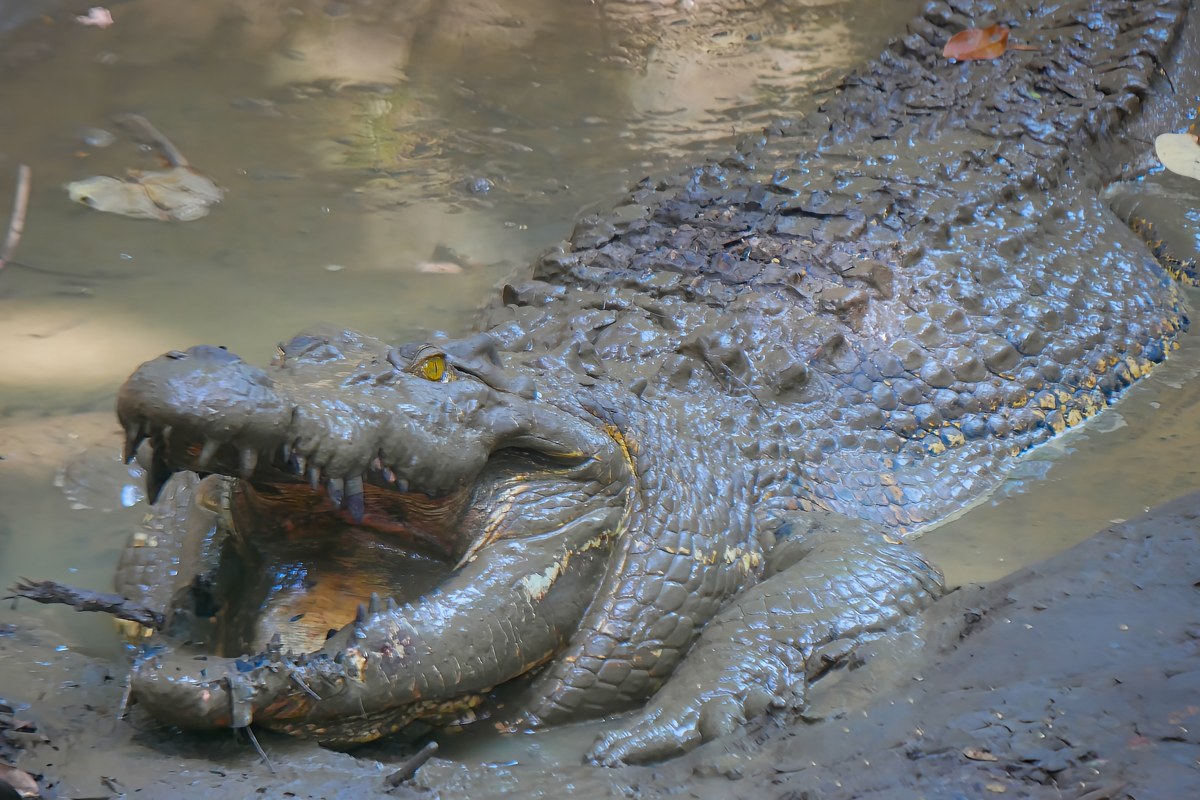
296 578
329 576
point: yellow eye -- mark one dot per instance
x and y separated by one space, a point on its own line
433 368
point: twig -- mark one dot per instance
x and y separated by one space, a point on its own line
16 223
51 592
139 124
262 753
409 766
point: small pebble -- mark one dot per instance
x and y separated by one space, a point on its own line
334 268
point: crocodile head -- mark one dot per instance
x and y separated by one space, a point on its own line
428 474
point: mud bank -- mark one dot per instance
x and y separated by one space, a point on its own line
1077 677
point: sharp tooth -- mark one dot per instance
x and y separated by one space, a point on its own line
388 475
299 463
376 464
355 502
374 607
390 604
337 491
133 439
360 616
314 477
249 461
207 452
285 451
401 484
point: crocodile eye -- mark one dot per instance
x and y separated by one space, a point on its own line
432 368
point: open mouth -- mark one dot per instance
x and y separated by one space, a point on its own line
383 563
296 562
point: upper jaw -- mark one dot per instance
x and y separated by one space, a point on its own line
342 425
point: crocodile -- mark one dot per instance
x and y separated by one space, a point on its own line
674 470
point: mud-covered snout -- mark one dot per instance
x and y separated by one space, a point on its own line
203 388
332 418
342 412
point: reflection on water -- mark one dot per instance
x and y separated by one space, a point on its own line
361 142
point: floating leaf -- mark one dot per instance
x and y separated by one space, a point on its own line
178 193
977 44
979 754
1179 152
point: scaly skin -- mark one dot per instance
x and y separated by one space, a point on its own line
675 448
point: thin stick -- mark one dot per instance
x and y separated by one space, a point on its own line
262 753
409 766
86 600
307 689
16 223
126 696
139 124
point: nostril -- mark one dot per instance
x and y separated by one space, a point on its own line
177 354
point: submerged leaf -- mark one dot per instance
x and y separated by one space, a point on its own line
976 44
1179 152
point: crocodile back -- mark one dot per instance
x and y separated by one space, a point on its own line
872 310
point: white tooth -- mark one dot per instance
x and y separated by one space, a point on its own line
249 461
207 452
337 491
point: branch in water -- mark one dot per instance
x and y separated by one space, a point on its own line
86 600
17 223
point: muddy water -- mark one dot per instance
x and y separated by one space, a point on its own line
357 141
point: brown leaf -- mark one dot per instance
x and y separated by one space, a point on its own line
976 44
21 781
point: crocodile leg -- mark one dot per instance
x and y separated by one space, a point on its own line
831 588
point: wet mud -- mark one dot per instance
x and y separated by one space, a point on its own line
1074 677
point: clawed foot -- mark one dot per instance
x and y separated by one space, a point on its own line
657 733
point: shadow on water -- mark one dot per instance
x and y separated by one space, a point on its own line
386 165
